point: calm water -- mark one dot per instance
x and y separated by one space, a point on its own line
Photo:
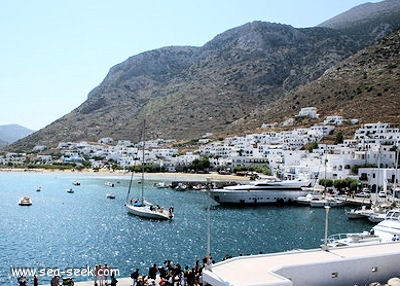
85 228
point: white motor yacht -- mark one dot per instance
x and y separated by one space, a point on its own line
261 192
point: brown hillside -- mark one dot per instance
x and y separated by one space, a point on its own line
365 86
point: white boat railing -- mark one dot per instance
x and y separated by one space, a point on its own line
393 214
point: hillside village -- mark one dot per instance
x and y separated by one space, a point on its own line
374 149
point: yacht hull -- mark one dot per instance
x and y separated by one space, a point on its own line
249 196
147 212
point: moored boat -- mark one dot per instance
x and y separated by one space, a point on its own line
141 207
351 239
327 201
161 185
268 191
386 231
181 187
147 210
110 196
70 191
376 217
110 184
363 212
25 201
377 212
389 228
306 200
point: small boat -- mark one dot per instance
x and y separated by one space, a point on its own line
376 217
71 191
38 189
25 201
110 196
306 200
331 202
76 183
351 239
161 185
109 184
363 212
181 187
199 187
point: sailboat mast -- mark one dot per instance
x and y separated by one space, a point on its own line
144 140
129 189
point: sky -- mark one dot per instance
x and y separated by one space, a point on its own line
53 53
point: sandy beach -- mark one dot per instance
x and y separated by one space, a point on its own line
150 176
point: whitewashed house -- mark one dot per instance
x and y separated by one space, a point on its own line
310 112
334 120
105 140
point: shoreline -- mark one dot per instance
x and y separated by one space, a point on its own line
151 176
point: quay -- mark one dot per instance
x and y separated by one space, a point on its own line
193 184
353 265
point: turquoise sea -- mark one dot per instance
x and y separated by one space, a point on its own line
62 230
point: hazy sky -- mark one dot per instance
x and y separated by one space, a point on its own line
53 53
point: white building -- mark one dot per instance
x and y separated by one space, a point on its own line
378 132
310 112
334 120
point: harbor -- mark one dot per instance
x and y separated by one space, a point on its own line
86 228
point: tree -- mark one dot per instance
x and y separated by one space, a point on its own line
313 145
339 138
200 164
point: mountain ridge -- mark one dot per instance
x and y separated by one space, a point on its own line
12 132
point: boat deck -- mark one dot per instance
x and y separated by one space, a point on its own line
289 268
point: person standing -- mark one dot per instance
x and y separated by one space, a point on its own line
22 280
54 281
35 280
135 277
106 272
114 281
153 272
96 275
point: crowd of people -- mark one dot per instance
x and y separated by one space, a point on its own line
24 281
170 274
166 274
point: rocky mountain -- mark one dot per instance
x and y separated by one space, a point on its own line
367 22
11 133
365 86
232 84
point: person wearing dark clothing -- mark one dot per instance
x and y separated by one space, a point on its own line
163 272
191 276
153 272
35 280
22 280
135 276
113 280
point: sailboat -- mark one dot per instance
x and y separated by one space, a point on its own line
143 208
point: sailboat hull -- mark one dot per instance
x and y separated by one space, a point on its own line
147 211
